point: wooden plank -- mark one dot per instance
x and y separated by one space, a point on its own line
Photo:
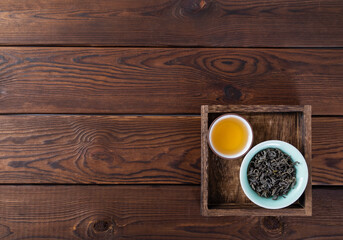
328 153
99 149
307 136
204 164
255 108
166 80
129 149
252 23
150 212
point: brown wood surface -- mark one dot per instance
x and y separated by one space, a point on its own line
204 161
166 80
99 149
129 149
150 212
306 123
327 153
216 110
222 194
82 58
276 23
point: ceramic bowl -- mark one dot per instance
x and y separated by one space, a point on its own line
301 175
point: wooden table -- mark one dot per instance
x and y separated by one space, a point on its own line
100 112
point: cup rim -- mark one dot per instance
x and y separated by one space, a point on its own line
246 146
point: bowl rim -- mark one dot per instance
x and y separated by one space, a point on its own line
248 146
302 180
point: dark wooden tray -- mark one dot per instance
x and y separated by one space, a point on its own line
221 193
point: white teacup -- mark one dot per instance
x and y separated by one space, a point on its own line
235 133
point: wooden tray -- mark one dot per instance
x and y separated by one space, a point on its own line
221 193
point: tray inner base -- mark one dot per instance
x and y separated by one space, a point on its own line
223 175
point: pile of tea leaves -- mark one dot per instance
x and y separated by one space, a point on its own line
271 173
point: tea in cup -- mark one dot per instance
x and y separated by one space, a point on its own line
230 136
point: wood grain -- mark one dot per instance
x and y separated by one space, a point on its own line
129 149
306 121
204 183
276 23
329 153
99 149
166 80
244 109
222 194
224 186
150 212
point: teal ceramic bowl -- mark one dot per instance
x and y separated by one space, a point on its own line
293 194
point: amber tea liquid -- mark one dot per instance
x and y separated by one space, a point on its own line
229 136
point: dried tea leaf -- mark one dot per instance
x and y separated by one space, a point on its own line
271 173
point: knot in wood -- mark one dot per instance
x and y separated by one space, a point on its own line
101 226
102 156
195 6
96 227
272 225
99 155
232 93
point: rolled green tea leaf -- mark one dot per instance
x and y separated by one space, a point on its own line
271 173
